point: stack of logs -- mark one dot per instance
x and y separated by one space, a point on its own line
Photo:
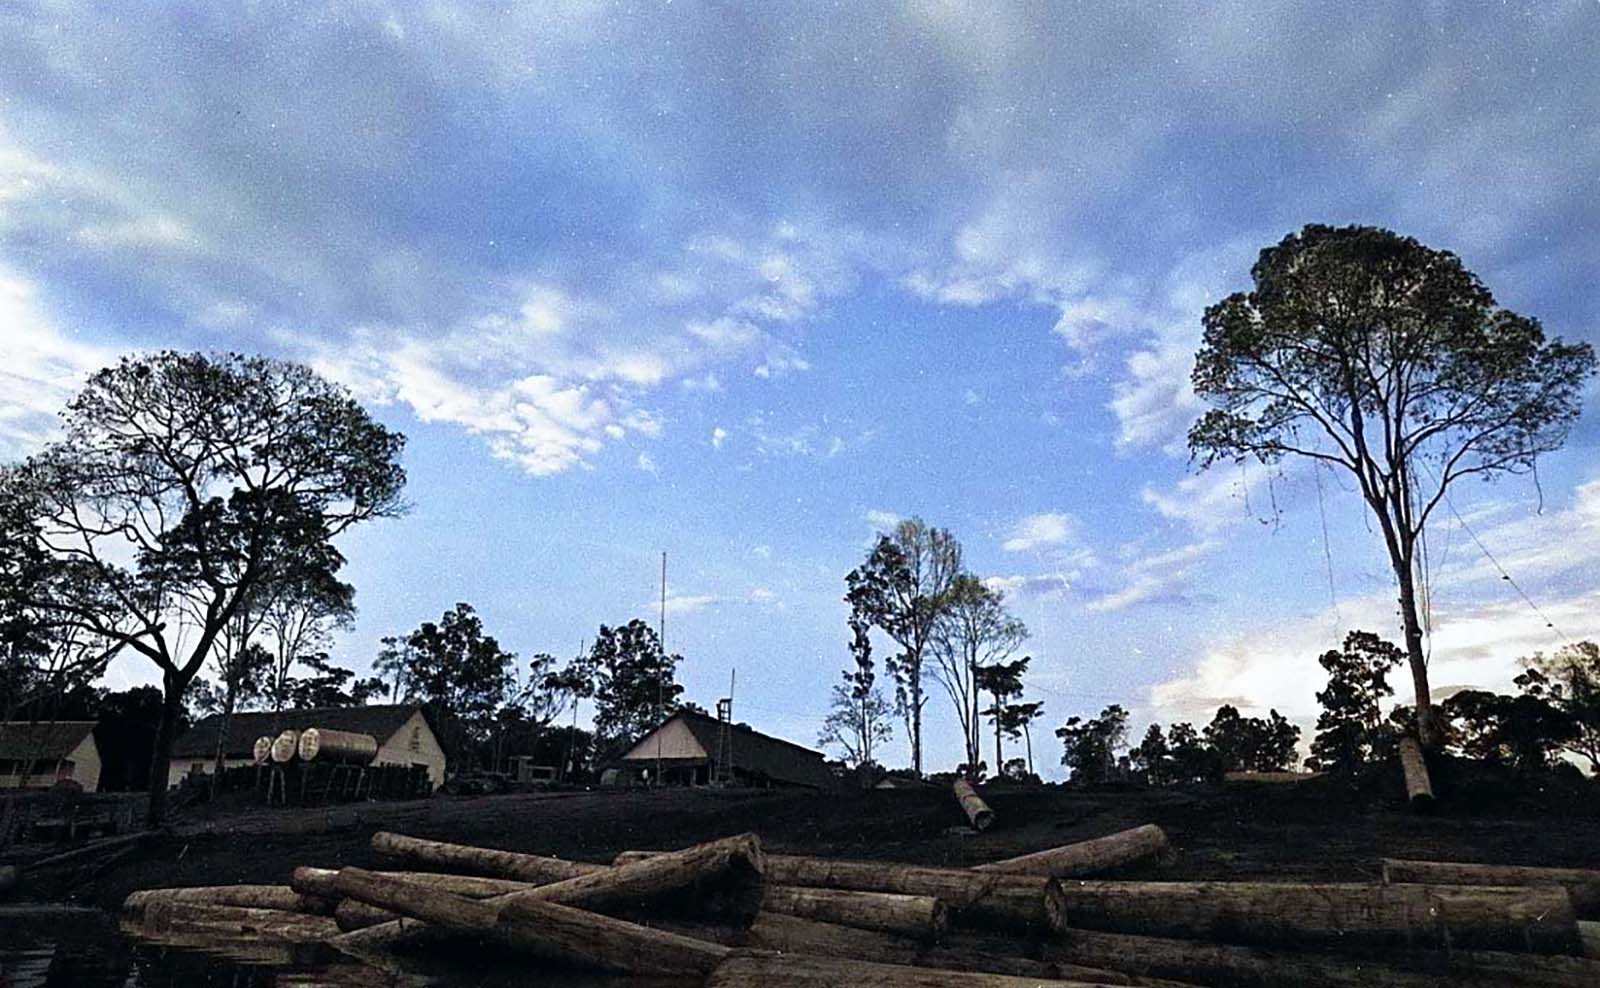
727 914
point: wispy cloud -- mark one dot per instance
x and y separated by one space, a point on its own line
1044 530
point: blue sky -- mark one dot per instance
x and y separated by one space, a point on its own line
744 283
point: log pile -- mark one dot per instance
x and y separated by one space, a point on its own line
727 913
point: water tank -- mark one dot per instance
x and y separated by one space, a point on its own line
263 749
337 746
285 746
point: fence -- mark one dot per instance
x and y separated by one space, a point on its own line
312 783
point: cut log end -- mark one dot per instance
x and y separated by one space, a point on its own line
1419 787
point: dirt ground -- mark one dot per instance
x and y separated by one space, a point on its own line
1306 831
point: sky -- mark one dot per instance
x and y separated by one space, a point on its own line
746 284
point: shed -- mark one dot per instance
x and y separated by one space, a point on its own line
42 753
687 741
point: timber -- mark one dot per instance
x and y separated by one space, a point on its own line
762 969
920 917
1088 857
1589 936
1419 788
1536 920
319 881
978 812
352 915
1582 884
279 897
479 860
1213 963
178 916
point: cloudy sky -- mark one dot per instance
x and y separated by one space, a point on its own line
742 284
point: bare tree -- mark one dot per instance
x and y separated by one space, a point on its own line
973 632
859 720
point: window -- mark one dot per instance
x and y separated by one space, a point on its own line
416 738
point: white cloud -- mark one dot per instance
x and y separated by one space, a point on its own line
763 597
1045 586
1152 577
719 435
883 521
43 368
681 603
647 463
1051 528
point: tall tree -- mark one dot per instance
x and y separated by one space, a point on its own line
975 630
457 672
631 680
193 483
904 588
1351 725
859 719
298 621
1572 682
1003 682
1376 355
1250 743
1016 720
1089 747
324 683
1153 757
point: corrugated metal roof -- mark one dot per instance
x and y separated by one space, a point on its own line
200 741
40 740
756 753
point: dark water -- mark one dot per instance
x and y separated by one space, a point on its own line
68 949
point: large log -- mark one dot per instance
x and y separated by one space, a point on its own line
992 899
178 916
1419 788
1088 857
547 929
1589 937
479 860
1258 967
352 915
978 812
762 969
1537 920
1582 884
920 917
250 896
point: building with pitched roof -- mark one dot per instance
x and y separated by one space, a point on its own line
686 746
42 753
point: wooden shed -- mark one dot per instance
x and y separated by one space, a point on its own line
686 746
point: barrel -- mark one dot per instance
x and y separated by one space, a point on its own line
284 747
337 746
263 749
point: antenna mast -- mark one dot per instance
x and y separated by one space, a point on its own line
661 638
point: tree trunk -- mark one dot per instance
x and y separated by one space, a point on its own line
479 860
320 882
1427 722
278 897
997 755
1011 902
178 916
1088 857
916 718
762 969
1223 964
978 812
173 685
1027 732
1419 789
1537 920
920 917
1582 884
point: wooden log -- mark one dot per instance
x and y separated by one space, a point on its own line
352 915
1589 936
176 915
93 849
920 917
1419 788
549 930
319 881
8 878
1088 857
1582 884
978 812
1537 920
762 969
479 860
278 897
1228 964
990 899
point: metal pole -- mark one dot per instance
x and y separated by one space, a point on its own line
661 637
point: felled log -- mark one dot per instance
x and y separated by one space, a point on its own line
1419 788
1269 778
920 917
1537 920
762 969
1228 964
977 811
319 881
479 860
250 896
549 930
1088 857
352 915
1582 884
8 878
285 746
336 746
1589 936
992 899
178 916
93 849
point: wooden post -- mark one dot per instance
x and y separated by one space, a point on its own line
1419 789
1582 884
479 860
1088 857
977 811
920 917
1537 920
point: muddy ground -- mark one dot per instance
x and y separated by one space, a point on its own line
1305 831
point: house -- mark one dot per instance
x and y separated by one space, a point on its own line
403 734
685 746
42 753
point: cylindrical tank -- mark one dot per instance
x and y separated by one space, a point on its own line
263 750
337 746
286 745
